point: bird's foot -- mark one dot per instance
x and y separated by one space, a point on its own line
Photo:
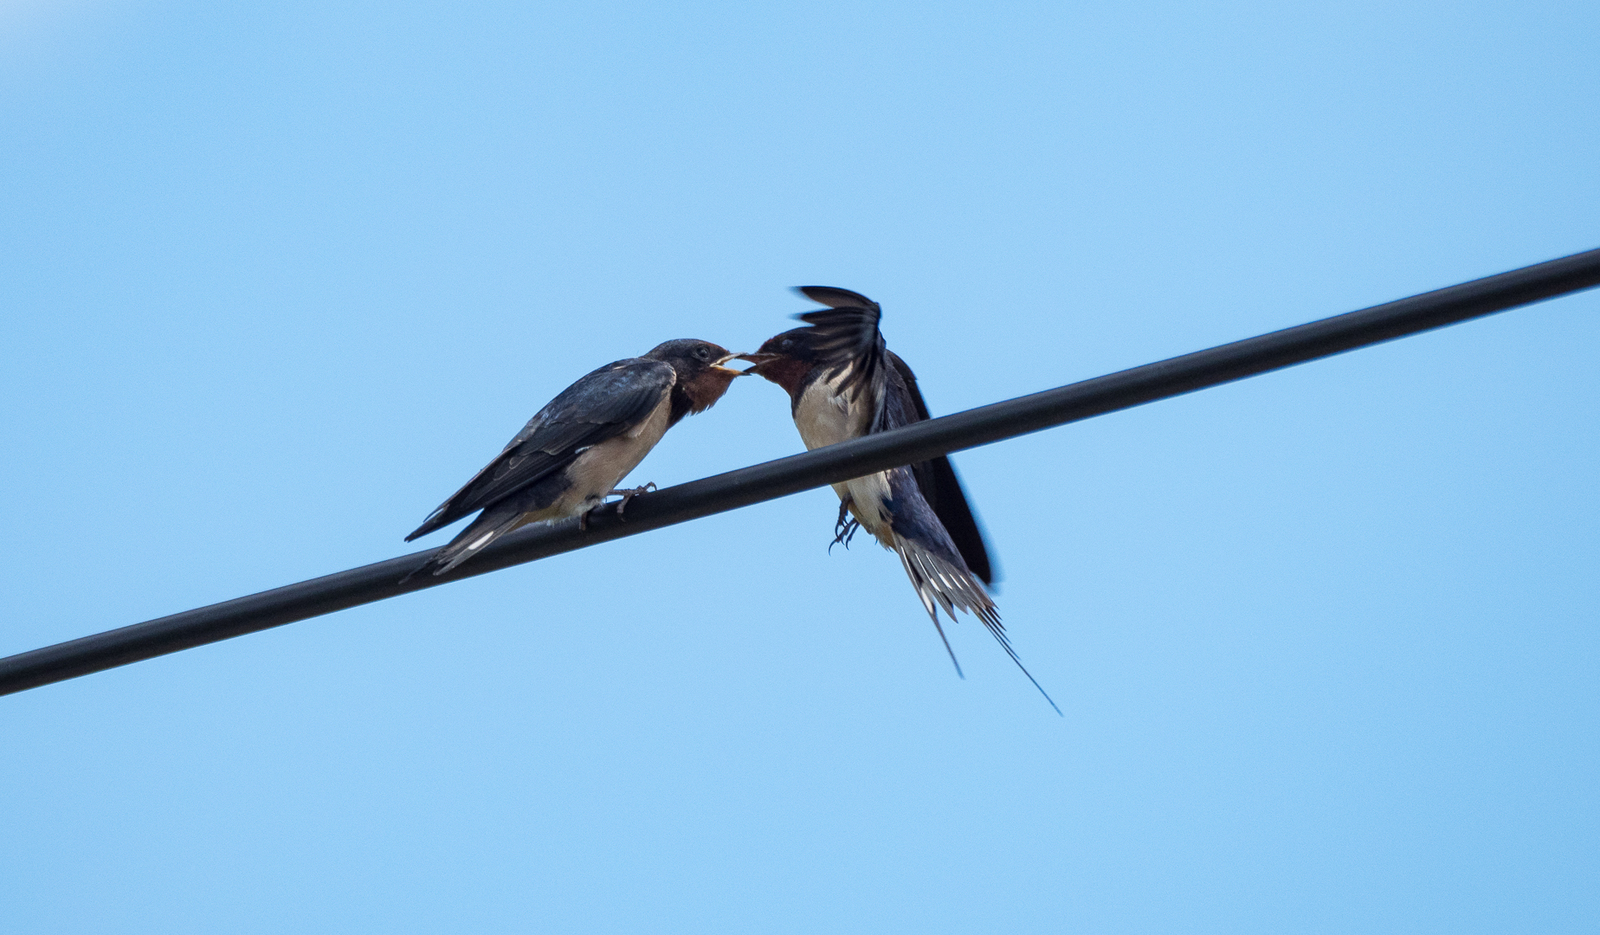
843 534
629 494
844 528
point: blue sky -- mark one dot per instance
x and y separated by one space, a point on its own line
277 278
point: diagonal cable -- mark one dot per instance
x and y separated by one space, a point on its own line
984 425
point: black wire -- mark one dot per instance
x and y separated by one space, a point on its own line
785 476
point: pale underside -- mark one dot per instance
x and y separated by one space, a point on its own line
824 418
599 468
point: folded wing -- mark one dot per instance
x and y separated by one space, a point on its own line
601 405
940 486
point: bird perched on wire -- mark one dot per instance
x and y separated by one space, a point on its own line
843 383
575 451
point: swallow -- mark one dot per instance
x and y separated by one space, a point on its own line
843 382
572 454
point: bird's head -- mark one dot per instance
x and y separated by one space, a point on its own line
701 376
785 358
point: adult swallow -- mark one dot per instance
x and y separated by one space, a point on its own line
575 450
843 383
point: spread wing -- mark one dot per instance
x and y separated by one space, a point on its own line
940 486
846 340
603 404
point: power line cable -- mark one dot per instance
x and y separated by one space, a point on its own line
773 479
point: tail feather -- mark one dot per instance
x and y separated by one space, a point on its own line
927 604
490 525
941 583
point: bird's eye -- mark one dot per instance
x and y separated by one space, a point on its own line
787 343
703 352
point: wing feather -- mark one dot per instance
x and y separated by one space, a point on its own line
847 342
941 487
603 404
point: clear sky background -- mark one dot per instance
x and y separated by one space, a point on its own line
276 278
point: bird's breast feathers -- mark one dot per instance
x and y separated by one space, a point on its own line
599 468
825 416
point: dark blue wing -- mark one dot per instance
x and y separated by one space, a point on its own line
937 477
605 403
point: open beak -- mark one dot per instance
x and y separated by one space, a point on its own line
757 359
721 369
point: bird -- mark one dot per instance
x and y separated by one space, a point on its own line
572 454
843 382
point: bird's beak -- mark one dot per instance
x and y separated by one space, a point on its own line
757 359
729 370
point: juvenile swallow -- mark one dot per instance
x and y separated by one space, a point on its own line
575 451
843 383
